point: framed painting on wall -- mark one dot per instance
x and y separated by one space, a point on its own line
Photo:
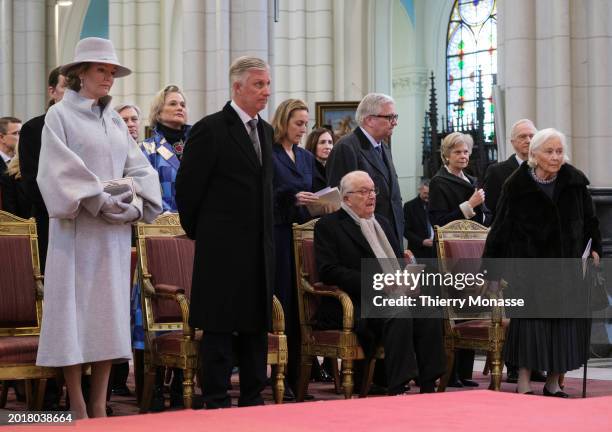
337 116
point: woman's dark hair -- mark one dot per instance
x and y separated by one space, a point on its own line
313 139
54 77
73 81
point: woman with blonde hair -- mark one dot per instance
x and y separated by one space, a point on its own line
169 131
292 190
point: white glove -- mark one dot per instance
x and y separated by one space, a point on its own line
129 214
111 205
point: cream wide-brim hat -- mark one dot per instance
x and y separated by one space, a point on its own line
96 50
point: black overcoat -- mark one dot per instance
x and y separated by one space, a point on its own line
416 228
224 198
494 179
29 153
528 224
446 192
355 152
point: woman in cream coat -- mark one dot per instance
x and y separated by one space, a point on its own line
86 314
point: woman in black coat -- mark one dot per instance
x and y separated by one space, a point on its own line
545 211
320 143
455 195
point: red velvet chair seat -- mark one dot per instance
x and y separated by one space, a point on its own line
476 329
18 349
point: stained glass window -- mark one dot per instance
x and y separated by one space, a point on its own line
471 51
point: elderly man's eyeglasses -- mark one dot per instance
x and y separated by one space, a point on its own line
391 117
365 192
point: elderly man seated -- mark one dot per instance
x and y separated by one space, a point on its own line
413 346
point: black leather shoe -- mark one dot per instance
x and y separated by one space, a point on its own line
469 383
526 393
558 394
323 376
288 396
121 390
455 383
538 376
512 376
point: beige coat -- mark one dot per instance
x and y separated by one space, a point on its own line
86 313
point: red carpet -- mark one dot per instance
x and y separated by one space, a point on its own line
456 411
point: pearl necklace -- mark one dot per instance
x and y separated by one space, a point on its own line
540 180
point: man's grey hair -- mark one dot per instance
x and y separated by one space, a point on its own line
121 107
347 182
515 126
371 104
423 183
241 66
540 138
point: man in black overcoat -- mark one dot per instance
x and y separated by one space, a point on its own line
417 228
29 152
520 137
365 149
224 198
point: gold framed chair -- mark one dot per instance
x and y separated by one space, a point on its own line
482 329
21 302
165 260
335 344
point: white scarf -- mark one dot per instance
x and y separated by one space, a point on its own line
377 239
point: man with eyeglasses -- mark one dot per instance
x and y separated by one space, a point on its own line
9 137
520 136
367 149
413 346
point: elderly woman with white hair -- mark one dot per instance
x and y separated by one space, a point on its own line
545 211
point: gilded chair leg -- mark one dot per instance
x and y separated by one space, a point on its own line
39 394
147 390
487 366
450 359
188 387
305 367
496 370
336 374
347 378
3 394
368 376
279 385
29 395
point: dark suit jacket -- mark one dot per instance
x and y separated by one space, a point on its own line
446 192
224 198
494 179
2 172
289 179
339 248
29 153
14 199
319 179
416 228
355 152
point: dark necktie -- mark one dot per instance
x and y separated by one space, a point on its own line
255 138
